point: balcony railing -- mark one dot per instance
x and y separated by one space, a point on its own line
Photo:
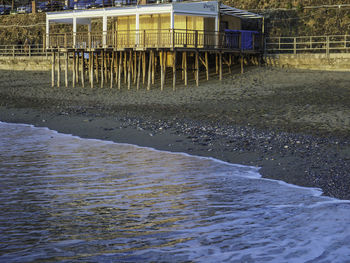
142 39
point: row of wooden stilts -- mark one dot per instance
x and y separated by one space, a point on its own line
112 68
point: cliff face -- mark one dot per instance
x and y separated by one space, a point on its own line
282 18
300 17
15 29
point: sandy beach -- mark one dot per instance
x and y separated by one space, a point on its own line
294 124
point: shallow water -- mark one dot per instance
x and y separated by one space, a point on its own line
67 199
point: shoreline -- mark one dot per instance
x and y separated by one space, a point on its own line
304 157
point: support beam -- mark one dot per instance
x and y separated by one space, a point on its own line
242 64
104 33
66 69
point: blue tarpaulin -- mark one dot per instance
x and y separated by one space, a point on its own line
246 38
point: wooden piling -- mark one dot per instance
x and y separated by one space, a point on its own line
74 70
174 70
92 58
129 70
197 69
153 65
53 59
135 67
149 70
161 59
207 65
124 71
242 64
82 69
112 70
220 65
184 54
102 68
58 70
143 67
116 66
66 69
139 71
96 66
120 69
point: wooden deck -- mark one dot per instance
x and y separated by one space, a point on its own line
149 39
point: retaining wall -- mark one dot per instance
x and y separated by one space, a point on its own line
334 62
37 63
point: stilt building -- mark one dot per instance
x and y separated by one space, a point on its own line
134 45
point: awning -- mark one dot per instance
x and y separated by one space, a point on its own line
227 10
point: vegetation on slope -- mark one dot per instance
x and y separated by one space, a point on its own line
282 18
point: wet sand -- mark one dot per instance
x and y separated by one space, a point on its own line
295 124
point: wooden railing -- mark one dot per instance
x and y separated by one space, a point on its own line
151 39
23 50
308 44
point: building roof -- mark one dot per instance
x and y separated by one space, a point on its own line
200 8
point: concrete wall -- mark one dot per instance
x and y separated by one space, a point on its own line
25 63
335 62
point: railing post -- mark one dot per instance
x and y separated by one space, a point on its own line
196 39
327 45
279 43
173 37
89 40
13 51
345 41
295 45
65 40
30 50
310 42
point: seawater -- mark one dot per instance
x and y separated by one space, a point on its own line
67 199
